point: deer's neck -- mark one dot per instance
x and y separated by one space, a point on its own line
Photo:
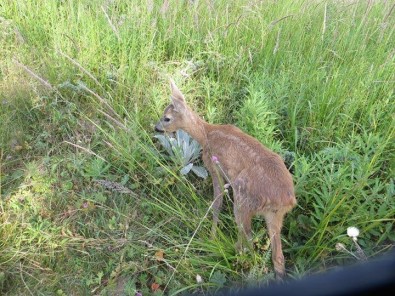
197 129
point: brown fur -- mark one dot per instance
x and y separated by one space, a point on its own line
261 183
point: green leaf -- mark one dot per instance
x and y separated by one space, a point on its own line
165 142
200 171
218 278
185 170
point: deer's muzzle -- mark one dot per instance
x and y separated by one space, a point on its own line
159 127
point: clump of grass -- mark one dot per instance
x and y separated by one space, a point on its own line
257 119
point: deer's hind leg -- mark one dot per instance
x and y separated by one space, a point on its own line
274 222
243 214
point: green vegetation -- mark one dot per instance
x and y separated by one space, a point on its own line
90 202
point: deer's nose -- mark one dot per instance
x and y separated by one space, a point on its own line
159 127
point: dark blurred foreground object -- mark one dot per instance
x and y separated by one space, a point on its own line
373 277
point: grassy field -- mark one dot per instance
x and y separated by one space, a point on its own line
91 203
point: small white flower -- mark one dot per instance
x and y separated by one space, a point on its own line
353 232
226 186
199 279
340 247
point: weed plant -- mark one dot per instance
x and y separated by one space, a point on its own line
84 209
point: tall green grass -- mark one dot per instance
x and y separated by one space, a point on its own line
83 82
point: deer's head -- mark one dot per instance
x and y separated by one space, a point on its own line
176 115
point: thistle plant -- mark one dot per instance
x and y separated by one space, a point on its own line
184 152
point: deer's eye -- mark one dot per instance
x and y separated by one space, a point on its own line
166 119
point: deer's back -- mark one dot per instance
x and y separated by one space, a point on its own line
251 167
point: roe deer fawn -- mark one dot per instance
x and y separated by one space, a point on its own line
261 183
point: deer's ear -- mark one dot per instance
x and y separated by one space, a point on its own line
176 94
177 97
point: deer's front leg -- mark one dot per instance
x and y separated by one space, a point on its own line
218 199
